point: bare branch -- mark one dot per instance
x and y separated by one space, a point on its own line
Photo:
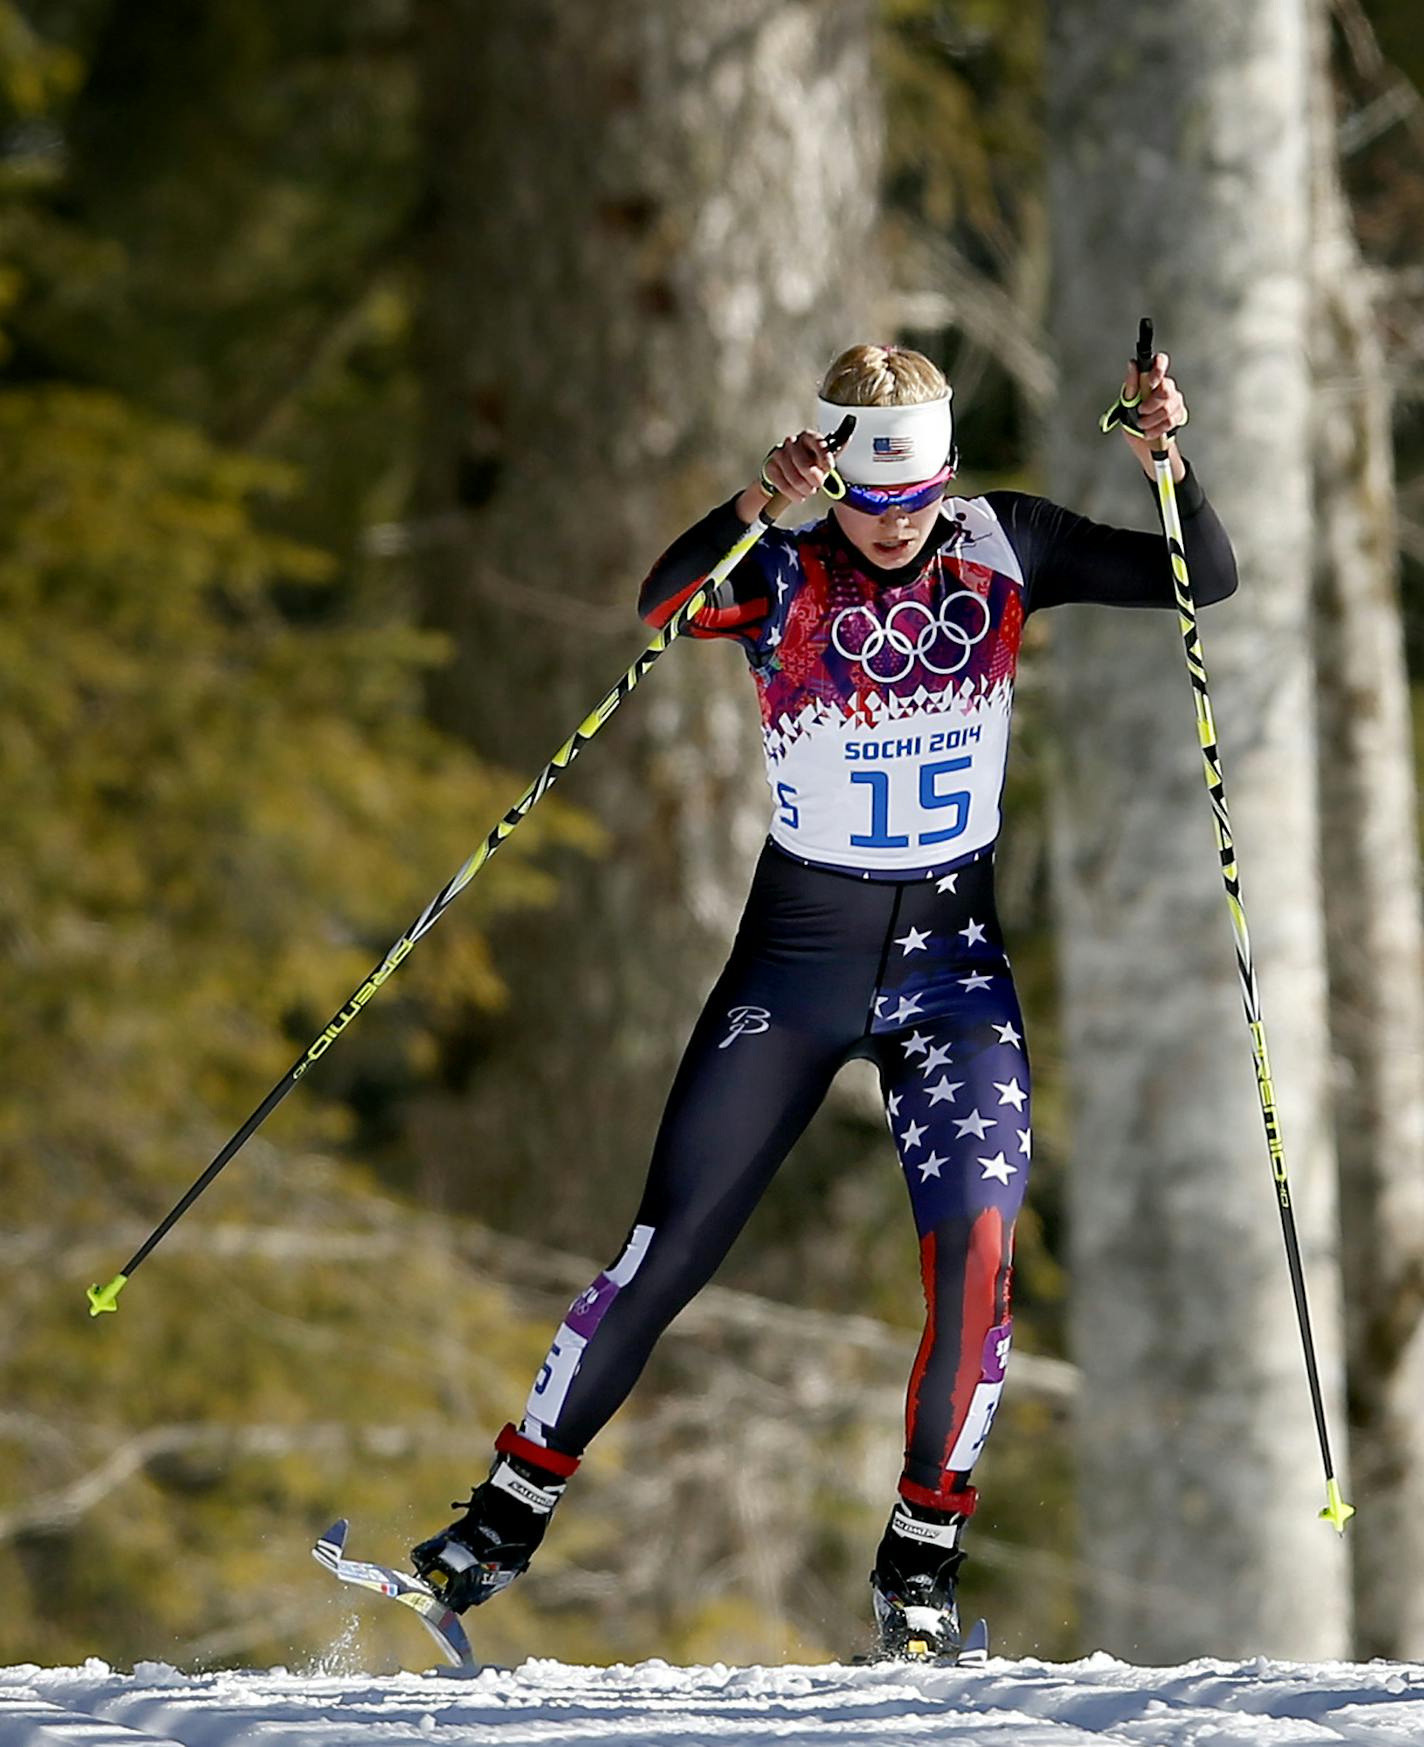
528 1270
938 288
1360 38
237 1637
65 1505
1398 102
451 528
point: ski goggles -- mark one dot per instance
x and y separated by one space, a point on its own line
875 500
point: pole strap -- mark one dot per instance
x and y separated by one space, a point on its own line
1124 410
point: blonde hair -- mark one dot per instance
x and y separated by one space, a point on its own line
883 376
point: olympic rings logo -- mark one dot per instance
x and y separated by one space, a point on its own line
910 631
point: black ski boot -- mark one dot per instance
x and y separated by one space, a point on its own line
913 1583
504 1522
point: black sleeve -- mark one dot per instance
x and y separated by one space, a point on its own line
744 600
1065 557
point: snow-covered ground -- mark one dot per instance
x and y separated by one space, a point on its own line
550 1704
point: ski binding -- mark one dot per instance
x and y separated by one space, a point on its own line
973 1652
441 1622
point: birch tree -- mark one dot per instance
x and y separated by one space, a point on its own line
649 232
1370 857
1179 186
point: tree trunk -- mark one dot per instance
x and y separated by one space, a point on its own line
650 232
1370 857
1179 177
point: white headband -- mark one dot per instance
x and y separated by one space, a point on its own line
891 445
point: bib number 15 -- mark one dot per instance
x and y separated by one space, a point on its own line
955 803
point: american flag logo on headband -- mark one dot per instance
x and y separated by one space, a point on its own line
893 448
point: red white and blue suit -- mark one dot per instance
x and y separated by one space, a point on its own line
870 931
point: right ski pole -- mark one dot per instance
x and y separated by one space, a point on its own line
105 1298
1124 412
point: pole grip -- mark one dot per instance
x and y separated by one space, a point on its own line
778 505
1146 350
1124 412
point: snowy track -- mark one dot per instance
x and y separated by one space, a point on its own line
549 1704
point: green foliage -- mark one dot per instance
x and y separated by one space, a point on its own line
34 74
226 188
314 1352
218 816
1397 25
223 803
963 135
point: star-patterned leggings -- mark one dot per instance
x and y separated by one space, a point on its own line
827 967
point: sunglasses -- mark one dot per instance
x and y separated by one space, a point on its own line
875 500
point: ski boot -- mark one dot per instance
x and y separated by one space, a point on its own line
913 1584
505 1518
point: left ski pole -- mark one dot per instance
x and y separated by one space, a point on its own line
105 1298
1124 412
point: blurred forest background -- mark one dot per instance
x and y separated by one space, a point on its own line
358 358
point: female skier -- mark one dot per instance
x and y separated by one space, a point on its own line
883 641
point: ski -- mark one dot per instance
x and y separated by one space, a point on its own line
974 1649
441 1622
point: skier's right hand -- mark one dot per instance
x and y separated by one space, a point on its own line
799 466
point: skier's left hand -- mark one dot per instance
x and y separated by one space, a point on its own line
1161 409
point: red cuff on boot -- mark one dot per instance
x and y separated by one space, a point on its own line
512 1442
962 1503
